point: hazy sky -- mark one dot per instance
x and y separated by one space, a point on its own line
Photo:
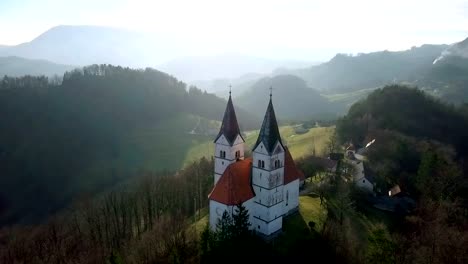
281 29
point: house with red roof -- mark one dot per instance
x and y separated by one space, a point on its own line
267 183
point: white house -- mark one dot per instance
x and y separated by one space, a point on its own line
267 183
361 178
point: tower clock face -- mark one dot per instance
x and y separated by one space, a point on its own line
219 211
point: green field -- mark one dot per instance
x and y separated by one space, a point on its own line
170 146
158 147
299 144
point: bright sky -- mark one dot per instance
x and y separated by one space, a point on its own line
269 28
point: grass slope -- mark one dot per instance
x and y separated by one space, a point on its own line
299 144
163 146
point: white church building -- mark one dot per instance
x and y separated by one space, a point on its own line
267 183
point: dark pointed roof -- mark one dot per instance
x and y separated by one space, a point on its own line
269 133
229 127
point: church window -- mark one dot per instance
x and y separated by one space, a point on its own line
222 154
222 162
363 181
258 226
277 164
287 197
238 154
261 164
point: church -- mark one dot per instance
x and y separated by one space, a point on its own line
267 183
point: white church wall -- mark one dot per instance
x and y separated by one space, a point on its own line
216 212
217 209
271 208
238 140
222 163
268 197
268 228
260 149
260 153
291 196
267 179
222 140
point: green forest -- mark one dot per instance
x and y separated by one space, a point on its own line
102 125
160 216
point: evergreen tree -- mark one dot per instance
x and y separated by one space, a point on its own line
241 222
224 227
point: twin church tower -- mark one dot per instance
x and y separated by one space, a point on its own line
267 183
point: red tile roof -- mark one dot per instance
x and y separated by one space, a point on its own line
291 172
234 186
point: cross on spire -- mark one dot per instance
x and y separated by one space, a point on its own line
230 90
271 91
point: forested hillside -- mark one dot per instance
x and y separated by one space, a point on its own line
293 99
408 111
102 125
16 66
345 73
420 145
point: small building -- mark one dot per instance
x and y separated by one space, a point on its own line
363 176
395 190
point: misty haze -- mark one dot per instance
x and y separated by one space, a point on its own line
225 132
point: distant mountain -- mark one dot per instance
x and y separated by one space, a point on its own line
16 66
229 66
221 86
293 99
84 45
345 73
448 77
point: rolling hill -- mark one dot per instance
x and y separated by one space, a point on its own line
345 73
292 98
16 66
226 66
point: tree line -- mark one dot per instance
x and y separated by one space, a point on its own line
144 221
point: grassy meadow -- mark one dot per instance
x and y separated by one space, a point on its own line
299 144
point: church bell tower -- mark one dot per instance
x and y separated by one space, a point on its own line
268 175
229 144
